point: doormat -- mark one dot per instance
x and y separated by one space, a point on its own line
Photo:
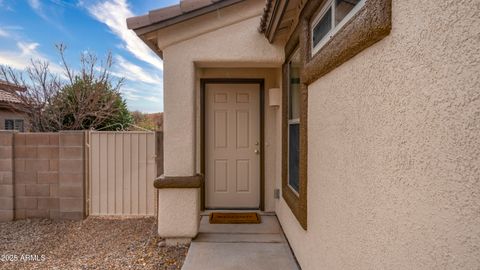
234 218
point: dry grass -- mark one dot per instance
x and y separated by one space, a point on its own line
95 243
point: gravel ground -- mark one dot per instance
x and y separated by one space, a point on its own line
95 243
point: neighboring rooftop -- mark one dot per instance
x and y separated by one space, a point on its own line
6 92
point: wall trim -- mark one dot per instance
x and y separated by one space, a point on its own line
371 24
296 202
195 181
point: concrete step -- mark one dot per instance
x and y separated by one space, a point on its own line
240 238
239 256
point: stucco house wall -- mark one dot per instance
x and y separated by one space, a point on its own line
393 149
244 48
240 47
393 135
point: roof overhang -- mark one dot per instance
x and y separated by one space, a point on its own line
271 18
186 10
156 23
280 17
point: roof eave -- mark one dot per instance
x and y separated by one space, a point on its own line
153 46
272 17
142 27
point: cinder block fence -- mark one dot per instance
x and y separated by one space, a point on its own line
6 177
42 175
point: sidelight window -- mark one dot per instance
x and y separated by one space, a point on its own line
294 66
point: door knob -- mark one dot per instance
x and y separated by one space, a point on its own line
256 151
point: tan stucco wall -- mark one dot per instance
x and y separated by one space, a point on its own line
209 22
238 43
271 79
394 149
185 220
241 45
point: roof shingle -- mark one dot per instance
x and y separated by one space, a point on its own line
6 92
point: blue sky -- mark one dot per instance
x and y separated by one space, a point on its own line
31 28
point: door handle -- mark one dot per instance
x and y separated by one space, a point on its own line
256 151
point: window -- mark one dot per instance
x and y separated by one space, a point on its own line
322 28
294 136
294 66
331 18
14 124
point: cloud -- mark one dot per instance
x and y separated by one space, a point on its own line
153 99
143 97
38 8
132 72
114 13
28 48
4 33
35 4
9 31
143 88
5 6
21 57
131 94
52 13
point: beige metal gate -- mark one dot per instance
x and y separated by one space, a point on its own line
121 173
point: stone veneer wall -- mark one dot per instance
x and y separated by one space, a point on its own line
48 175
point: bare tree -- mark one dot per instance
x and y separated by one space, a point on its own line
41 85
78 99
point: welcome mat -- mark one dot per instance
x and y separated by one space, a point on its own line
234 218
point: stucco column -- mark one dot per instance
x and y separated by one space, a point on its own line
179 187
179 118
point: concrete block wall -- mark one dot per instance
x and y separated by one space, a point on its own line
71 171
36 175
42 175
6 176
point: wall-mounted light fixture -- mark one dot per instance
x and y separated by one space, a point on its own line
274 97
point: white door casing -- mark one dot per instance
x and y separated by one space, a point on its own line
232 145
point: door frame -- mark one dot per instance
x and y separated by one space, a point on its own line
261 84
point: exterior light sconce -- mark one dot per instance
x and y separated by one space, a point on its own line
274 97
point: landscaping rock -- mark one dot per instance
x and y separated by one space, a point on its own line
95 243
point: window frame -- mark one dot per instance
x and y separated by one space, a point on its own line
290 120
330 4
370 24
15 122
296 201
5 126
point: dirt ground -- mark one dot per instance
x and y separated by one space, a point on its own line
95 243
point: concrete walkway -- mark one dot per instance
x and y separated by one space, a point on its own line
240 246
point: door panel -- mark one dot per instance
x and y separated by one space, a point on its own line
232 144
